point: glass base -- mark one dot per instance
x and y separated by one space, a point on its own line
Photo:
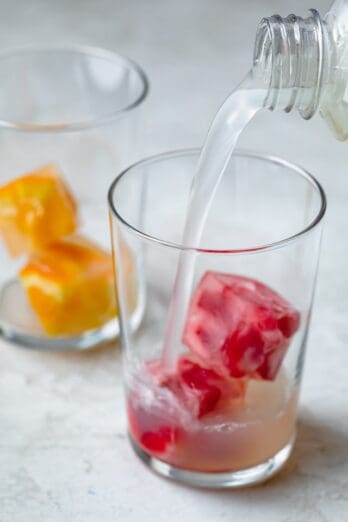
19 325
85 341
228 479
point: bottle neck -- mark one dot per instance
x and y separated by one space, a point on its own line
292 61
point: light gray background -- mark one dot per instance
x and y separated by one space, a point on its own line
63 451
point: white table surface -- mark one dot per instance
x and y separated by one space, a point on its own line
64 455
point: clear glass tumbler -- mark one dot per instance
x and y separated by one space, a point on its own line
224 413
68 121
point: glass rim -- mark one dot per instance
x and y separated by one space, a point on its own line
91 123
269 158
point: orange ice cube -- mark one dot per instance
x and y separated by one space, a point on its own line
70 286
35 210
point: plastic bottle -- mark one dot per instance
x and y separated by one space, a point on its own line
304 64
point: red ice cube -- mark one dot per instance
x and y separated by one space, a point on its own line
158 441
200 389
239 326
204 391
149 429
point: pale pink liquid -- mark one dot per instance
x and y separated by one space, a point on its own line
247 433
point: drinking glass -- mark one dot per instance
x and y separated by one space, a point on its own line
69 117
254 270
